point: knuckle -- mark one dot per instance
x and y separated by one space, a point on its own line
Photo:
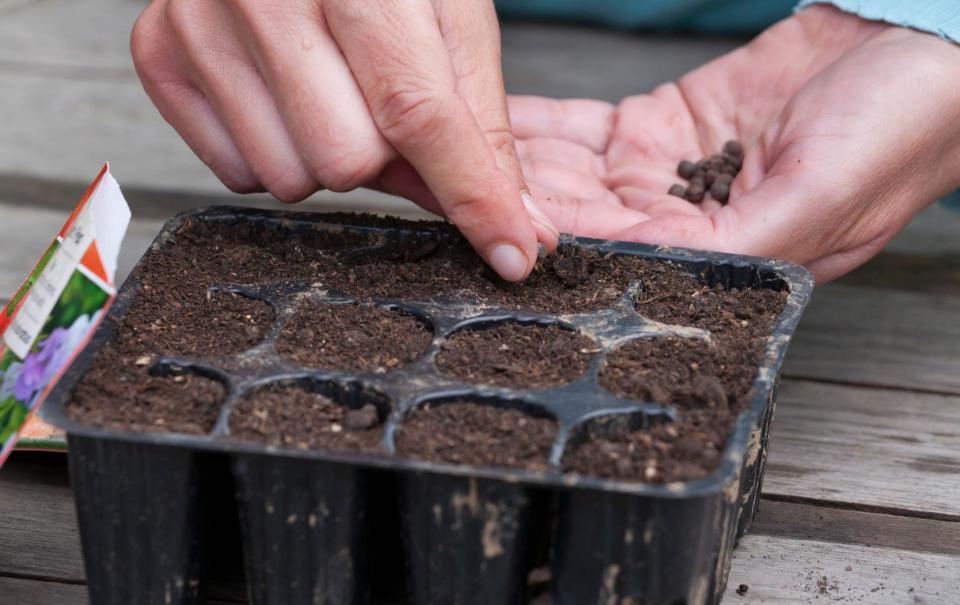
410 114
348 172
286 185
146 39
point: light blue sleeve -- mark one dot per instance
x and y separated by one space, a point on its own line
941 17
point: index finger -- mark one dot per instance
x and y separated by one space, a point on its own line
411 90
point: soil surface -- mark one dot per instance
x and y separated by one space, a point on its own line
355 338
476 433
566 282
509 354
675 451
119 393
290 416
687 373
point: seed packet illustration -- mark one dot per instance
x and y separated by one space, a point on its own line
52 316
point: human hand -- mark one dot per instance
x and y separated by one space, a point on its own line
297 95
850 128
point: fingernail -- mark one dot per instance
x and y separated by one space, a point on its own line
509 261
536 214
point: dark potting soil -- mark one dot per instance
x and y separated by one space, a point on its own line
510 354
476 433
673 451
182 309
290 416
566 282
354 338
118 392
688 373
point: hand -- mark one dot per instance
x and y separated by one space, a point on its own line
851 127
296 95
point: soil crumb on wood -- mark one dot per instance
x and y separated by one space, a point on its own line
356 338
290 416
119 393
510 354
476 433
672 451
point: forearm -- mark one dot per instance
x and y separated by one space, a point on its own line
940 17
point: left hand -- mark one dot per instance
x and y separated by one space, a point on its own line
850 128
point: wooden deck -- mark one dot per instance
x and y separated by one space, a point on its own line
861 501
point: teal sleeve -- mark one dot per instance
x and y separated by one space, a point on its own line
706 16
941 17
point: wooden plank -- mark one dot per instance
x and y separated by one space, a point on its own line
19 591
870 447
848 526
37 519
789 571
27 232
879 337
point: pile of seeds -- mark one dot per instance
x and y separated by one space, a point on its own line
712 175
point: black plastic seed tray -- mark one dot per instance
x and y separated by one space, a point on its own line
321 527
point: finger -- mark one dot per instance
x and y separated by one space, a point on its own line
319 101
236 91
471 34
183 105
582 121
411 91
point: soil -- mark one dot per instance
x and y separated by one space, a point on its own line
685 450
566 282
476 433
355 338
289 416
513 355
688 373
118 392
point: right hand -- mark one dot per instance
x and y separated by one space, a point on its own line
292 96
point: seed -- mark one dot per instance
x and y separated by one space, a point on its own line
686 169
677 190
733 148
720 191
695 193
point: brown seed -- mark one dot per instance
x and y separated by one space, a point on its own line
733 148
725 179
677 190
686 169
695 193
363 419
698 181
742 589
709 178
720 192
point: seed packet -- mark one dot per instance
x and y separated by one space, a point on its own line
50 319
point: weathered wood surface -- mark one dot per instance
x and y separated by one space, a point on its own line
867 447
790 571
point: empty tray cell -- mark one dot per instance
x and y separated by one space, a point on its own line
689 373
516 355
635 447
312 415
353 338
126 393
478 432
720 301
177 312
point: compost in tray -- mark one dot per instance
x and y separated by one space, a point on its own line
385 359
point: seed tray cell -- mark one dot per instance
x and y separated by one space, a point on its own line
314 522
